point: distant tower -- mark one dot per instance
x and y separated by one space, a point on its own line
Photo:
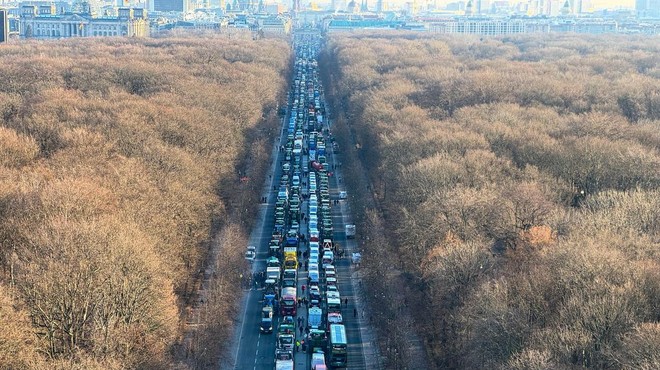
364 7
379 6
468 8
566 9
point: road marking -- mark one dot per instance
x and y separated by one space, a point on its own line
240 336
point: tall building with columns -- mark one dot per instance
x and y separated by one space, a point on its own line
45 22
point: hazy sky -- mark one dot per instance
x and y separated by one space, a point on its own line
613 3
597 4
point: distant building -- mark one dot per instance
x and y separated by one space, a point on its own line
4 26
493 27
480 26
648 8
275 25
352 22
171 5
44 22
274 8
592 26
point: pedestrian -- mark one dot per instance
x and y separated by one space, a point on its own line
303 288
345 302
304 346
299 319
301 331
306 266
297 346
354 312
299 302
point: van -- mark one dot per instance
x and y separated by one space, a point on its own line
313 277
328 258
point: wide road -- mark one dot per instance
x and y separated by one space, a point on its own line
255 350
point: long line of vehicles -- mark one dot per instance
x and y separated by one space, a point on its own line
304 182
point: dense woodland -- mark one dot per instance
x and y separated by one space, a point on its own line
517 184
119 159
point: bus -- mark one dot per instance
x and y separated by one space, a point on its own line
337 354
288 302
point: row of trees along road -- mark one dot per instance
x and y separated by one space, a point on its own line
116 157
518 182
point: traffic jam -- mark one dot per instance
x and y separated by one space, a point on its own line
300 291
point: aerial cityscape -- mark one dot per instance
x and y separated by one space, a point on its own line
345 184
56 19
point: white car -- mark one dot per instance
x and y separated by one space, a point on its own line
318 359
251 253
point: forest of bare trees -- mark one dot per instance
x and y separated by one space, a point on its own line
119 159
516 188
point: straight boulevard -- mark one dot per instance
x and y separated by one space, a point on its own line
254 350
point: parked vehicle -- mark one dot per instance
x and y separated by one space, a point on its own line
251 253
283 359
337 346
350 231
288 304
314 317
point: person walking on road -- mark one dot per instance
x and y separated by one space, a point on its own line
303 288
354 312
345 302
297 346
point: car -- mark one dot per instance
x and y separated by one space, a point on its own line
331 289
329 294
251 253
318 359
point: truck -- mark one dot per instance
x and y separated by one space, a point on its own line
297 146
273 273
314 317
290 278
290 258
283 359
350 231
